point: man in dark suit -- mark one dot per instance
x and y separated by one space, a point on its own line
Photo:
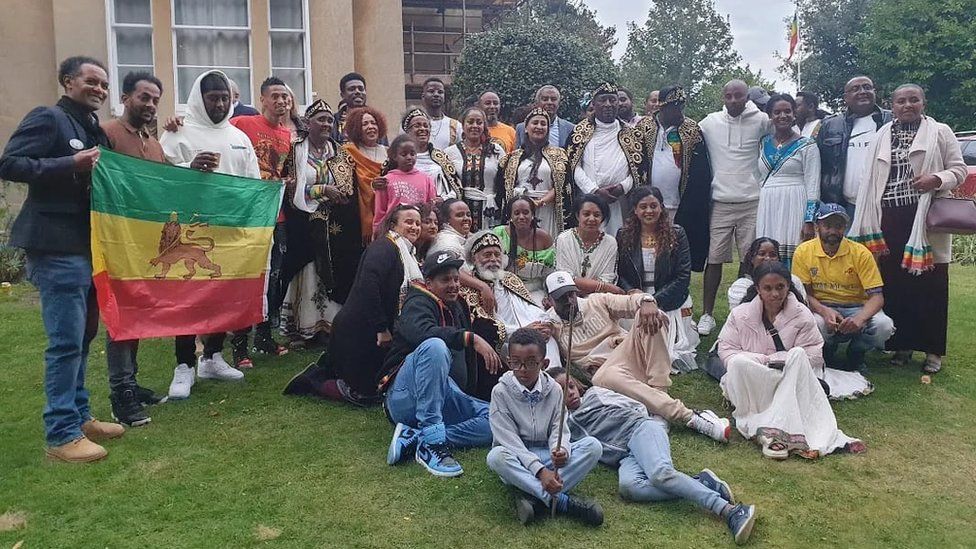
240 109
53 150
548 98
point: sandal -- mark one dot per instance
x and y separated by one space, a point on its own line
901 358
773 449
933 364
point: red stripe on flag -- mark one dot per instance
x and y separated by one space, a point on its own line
139 309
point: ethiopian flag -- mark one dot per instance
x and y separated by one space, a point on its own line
794 35
177 251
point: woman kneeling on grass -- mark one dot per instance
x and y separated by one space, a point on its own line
773 353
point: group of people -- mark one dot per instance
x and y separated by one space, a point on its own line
468 271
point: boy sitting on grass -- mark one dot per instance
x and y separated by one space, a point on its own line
524 415
638 443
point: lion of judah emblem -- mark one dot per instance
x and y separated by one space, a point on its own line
175 246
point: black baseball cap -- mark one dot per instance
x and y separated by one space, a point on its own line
436 262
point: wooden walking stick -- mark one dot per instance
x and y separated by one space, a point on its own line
565 387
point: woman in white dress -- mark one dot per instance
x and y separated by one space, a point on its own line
476 158
586 251
538 171
789 171
773 353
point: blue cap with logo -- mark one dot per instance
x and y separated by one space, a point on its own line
829 209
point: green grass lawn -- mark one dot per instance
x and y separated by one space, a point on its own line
239 465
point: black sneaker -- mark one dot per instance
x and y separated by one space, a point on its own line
127 410
147 397
588 512
529 509
238 345
266 345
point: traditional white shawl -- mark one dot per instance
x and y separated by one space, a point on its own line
411 269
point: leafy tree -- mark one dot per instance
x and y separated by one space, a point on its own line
830 55
517 60
932 44
709 96
570 17
682 42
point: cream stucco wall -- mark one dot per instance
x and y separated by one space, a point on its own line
379 55
27 61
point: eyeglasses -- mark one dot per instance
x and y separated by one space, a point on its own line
516 365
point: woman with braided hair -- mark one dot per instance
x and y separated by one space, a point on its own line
476 158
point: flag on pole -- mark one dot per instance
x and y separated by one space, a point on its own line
794 35
177 251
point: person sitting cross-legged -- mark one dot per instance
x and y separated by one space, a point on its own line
429 341
637 443
532 450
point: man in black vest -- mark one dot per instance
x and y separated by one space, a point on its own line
54 150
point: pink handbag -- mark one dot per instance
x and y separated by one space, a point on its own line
952 215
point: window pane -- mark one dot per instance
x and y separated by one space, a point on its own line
296 81
218 13
134 46
212 48
286 14
133 11
126 69
186 77
287 49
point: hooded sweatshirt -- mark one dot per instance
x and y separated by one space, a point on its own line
521 419
733 148
612 419
200 134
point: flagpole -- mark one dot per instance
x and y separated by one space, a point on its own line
799 48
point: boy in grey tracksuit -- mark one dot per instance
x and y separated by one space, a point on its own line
524 416
638 444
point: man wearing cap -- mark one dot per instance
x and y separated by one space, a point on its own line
514 307
605 156
759 96
733 136
635 363
426 358
844 289
676 162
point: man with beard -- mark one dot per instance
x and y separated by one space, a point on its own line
514 307
560 129
625 107
444 130
430 339
845 141
352 95
605 155
844 290
498 130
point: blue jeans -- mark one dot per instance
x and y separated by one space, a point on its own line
584 454
424 396
70 315
878 329
647 474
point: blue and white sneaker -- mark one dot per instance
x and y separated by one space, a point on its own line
711 481
403 445
741 521
437 459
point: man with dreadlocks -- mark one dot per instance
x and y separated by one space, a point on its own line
676 162
605 155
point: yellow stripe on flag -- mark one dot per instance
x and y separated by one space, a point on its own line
129 249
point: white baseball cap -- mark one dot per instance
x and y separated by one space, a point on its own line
558 283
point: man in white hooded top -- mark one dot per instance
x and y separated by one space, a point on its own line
732 136
207 142
605 155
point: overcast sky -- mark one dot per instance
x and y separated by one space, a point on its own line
754 28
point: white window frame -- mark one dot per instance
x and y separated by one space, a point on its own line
115 85
181 107
306 52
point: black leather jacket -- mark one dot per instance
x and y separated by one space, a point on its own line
833 139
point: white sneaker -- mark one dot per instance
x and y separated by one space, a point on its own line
706 324
216 367
709 424
179 388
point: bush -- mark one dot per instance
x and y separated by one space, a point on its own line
11 264
964 249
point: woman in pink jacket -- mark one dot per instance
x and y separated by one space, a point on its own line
773 352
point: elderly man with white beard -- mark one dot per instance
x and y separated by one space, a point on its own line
514 307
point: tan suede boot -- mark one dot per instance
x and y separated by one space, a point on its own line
79 450
100 430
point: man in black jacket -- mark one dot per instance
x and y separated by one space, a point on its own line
845 143
430 410
53 150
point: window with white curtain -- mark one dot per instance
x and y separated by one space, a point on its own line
289 45
130 44
212 34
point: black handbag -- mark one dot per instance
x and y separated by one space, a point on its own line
778 343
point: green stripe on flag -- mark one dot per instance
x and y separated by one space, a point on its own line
140 189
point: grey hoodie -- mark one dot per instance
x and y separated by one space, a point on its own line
199 134
519 424
733 149
612 419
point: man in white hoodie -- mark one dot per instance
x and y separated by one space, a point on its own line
207 142
732 135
